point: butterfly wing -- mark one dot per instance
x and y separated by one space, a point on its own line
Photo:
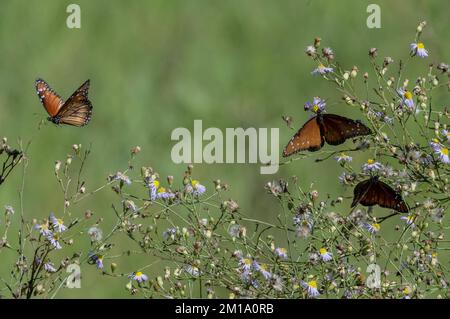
77 110
307 138
389 198
361 194
373 192
336 129
52 102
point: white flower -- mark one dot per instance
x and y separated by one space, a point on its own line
169 233
437 214
9 210
95 233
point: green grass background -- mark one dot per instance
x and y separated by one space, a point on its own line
158 65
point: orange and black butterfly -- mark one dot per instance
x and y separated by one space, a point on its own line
330 128
373 192
76 111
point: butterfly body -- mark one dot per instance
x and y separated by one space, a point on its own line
76 111
331 128
373 192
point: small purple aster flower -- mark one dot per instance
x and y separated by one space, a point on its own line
371 166
54 240
407 98
119 176
342 158
316 106
164 194
153 186
49 267
263 269
311 288
57 223
409 219
43 229
325 254
246 264
446 134
418 49
195 188
372 227
321 69
281 252
442 152
99 262
139 276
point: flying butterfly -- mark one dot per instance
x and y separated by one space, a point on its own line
330 128
76 111
373 192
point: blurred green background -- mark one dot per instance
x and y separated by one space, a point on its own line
158 65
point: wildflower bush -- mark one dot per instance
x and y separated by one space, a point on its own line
209 247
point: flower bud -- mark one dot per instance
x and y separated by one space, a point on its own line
57 166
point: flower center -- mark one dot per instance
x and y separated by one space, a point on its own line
312 284
444 151
161 190
420 45
376 226
139 274
60 221
316 108
194 183
247 262
156 183
408 95
322 251
370 161
321 66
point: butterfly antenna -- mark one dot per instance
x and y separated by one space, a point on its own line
382 219
327 157
292 160
335 152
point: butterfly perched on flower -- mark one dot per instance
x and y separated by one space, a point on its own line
373 192
330 128
76 111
